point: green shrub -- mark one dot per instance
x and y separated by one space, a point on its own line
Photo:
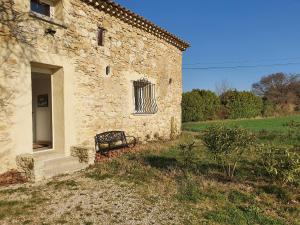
241 104
281 163
227 145
199 105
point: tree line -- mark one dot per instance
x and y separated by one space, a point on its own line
273 95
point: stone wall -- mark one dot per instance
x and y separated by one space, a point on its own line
97 102
132 54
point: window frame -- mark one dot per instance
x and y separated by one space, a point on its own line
147 96
34 7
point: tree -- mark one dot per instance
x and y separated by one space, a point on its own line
222 87
280 89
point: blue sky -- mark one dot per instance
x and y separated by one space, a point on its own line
229 33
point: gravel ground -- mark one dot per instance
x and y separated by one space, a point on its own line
75 199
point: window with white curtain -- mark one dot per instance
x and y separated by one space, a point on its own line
144 97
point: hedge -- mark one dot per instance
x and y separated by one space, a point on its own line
241 104
199 105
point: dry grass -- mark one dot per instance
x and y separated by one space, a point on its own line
152 186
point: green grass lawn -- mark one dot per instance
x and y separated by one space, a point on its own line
268 124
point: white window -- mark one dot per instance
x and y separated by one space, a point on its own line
144 97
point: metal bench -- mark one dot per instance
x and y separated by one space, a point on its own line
107 141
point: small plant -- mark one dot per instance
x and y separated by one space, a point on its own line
81 153
292 124
227 145
297 148
281 193
188 190
293 128
63 184
239 197
281 163
241 215
188 155
267 135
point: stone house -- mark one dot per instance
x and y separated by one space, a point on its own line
74 68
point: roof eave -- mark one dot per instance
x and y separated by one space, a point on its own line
138 21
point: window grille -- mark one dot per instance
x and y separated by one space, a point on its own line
40 7
144 97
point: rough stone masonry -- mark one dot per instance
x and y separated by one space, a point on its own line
88 99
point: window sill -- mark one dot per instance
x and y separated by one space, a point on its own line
47 19
143 114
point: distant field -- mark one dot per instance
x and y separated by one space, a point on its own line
269 124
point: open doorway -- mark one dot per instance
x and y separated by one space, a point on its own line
42 111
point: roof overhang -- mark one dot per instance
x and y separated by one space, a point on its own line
127 16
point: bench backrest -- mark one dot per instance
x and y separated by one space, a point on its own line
111 136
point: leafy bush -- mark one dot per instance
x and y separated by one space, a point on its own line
281 163
199 105
227 145
242 104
